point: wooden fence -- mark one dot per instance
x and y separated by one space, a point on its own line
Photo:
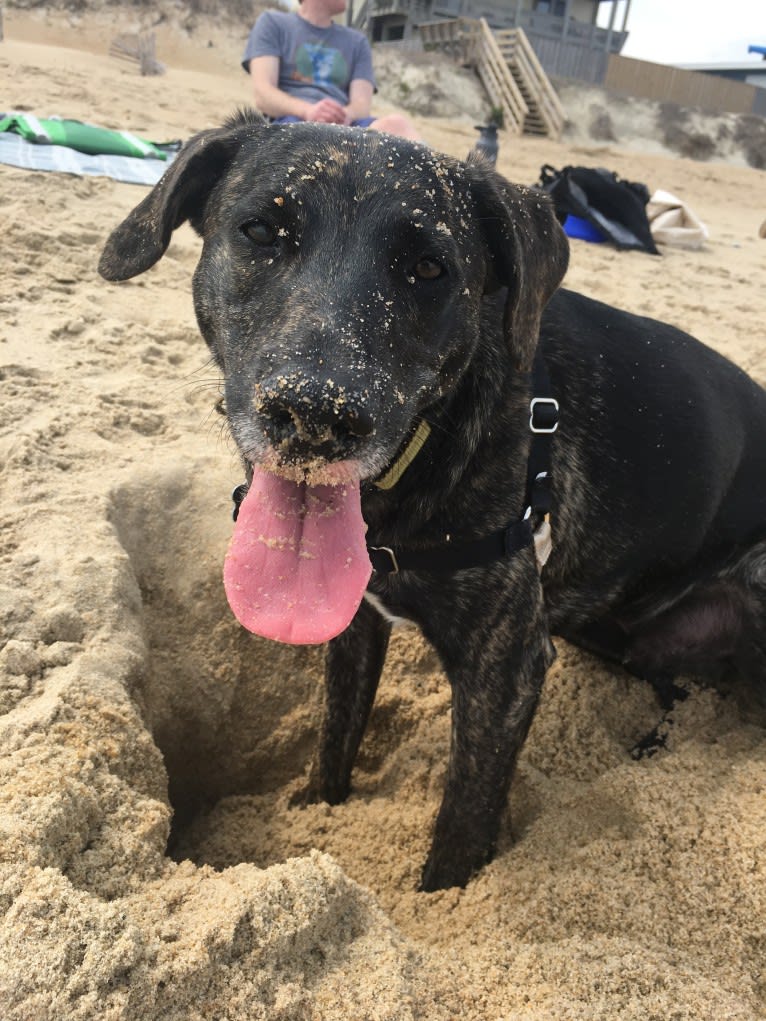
673 84
138 49
567 58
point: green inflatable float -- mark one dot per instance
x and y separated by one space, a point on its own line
87 138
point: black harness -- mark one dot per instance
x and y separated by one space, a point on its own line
506 542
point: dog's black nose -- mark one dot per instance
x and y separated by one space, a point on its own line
306 416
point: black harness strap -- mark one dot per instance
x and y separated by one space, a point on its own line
454 557
517 535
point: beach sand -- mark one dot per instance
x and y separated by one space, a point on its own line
621 889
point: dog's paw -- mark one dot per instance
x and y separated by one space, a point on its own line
313 791
301 797
445 870
651 743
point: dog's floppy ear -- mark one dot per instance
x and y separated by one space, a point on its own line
181 194
528 249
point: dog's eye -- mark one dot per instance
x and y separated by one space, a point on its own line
260 232
428 269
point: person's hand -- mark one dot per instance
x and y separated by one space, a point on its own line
327 111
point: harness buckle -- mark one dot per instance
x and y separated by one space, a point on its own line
394 563
543 415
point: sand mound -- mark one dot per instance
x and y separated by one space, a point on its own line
597 116
154 862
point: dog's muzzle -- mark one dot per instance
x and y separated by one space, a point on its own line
304 420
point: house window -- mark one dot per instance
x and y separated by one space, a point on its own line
555 7
394 32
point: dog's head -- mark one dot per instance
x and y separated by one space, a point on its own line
340 289
341 279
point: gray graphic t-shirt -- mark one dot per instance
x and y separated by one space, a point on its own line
314 63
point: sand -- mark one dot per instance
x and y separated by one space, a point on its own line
622 889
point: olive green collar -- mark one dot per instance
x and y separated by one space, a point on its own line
413 447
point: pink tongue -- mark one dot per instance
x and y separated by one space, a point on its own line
297 565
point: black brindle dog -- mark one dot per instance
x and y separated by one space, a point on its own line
384 317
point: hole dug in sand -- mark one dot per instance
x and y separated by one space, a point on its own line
232 714
236 716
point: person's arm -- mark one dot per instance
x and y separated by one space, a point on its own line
271 100
359 99
264 75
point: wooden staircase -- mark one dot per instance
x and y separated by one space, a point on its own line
545 114
502 88
509 70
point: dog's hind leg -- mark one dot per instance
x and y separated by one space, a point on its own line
708 633
353 667
668 694
606 637
609 639
716 631
751 660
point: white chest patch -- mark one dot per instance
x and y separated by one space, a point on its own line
380 606
543 544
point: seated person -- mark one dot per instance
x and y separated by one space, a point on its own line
304 67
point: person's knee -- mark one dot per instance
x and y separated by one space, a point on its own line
397 124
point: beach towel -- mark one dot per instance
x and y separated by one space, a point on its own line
672 222
615 208
50 153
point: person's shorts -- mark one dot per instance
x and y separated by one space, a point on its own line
361 122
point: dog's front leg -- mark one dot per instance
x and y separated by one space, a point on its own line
352 670
496 677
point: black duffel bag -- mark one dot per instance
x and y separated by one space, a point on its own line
614 207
